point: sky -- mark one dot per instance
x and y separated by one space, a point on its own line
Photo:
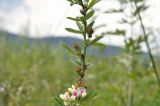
48 17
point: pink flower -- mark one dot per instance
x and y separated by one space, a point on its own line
73 94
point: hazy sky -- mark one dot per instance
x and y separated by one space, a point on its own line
47 17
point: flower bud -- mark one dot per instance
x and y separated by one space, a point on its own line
76 46
84 10
82 55
78 69
89 31
79 84
82 74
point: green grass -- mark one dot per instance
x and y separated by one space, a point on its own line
33 76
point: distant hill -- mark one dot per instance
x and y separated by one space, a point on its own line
57 41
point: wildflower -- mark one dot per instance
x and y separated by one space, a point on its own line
73 94
2 89
80 92
77 92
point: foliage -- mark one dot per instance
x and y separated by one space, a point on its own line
76 94
34 75
31 75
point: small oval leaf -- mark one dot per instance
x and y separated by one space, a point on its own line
73 31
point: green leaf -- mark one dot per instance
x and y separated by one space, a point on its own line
117 32
92 3
76 1
68 49
123 21
70 0
89 66
91 24
99 44
141 8
71 4
77 62
114 11
140 39
59 102
73 31
80 26
89 15
90 95
75 19
95 40
131 41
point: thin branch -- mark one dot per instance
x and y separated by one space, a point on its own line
148 46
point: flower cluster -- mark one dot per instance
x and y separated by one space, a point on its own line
2 88
73 94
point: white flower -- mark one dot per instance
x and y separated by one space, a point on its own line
2 89
70 90
73 87
84 94
66 103
67 97
62 96
73 97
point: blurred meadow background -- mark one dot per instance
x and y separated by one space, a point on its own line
35 68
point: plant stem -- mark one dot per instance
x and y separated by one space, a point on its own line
148 46
84 46
84 41
130 93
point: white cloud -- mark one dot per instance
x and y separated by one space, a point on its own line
48 17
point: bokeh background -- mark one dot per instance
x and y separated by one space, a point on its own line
35 68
